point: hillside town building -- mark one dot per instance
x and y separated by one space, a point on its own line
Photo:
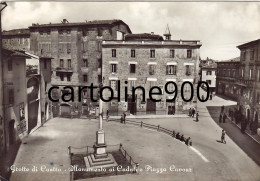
149 62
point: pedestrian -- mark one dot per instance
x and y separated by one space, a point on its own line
210 96
197 117
122 119
190 112
222 109
193 112
177 136
220 118
107 115
223 136
124 114
187 141
182 138
224 117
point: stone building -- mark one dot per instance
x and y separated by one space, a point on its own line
208 74
147 63
18 38
249 80
15 99
226 79
76 52
38 84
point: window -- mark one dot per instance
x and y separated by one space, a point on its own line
208 72
69 63
99 32
258 98
61 63
189 53
85 78
99 63
131 84
243 55
258 75
113 85
171 69
113 52
132 53
61 32
252 54
85 62
113 68
68 78
250 74
48 32
132 68
99 78
188 72
61 77
68 31
68 47
45 64
151 69
11 96
242 72
172 53
152 53
10 65
209 82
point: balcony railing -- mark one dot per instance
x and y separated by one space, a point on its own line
63 69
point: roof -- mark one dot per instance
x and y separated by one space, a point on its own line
143 36
248 44
65 23
237 59
23 31
211 66
14 53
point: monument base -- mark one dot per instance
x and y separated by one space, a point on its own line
95 161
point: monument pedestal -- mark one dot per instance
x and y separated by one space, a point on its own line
100 158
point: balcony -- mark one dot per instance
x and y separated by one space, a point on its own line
65 70
245 82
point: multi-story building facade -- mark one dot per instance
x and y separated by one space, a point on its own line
249 80
227 74
15 97
240 80
76 52
147 63
208 74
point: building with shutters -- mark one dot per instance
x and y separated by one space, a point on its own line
77 60
148 60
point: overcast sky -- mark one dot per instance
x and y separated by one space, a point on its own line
221 26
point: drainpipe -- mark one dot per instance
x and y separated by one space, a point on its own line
2 69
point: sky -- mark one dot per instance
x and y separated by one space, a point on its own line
220 26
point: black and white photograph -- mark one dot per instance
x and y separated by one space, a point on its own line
129 91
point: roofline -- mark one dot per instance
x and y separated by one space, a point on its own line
77 24
248 44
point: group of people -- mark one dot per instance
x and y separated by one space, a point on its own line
181 138
192 112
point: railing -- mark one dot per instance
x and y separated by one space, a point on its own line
86 150
172 133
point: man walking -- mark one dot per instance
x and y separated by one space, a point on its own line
197 117
223 136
